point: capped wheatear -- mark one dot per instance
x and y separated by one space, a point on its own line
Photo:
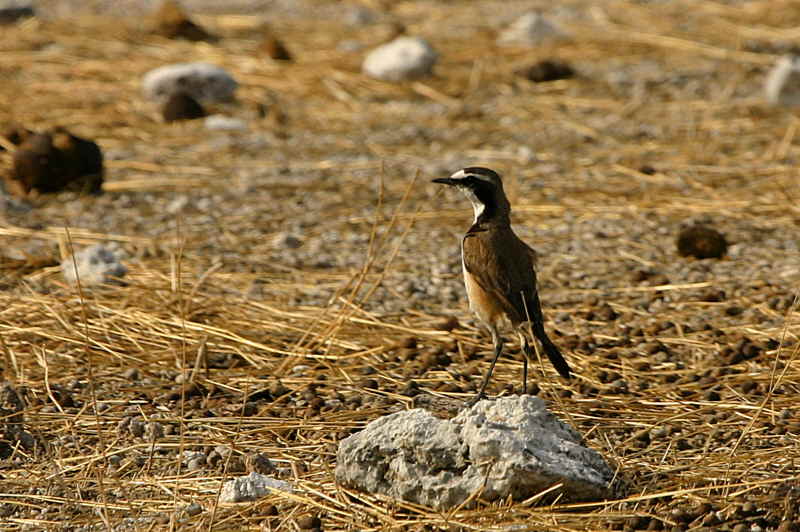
499 270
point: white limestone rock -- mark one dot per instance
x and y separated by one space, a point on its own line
401 59
202 81
511 446
251 487
225 123
531 29
782 86
97 264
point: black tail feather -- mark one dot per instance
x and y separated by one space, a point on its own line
537 324
555 356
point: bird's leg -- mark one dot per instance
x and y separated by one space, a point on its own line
498 348
526 354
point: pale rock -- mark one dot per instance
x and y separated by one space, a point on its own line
202 81
251 487
401 59
531 29
97 264
782 86
510 447
225 123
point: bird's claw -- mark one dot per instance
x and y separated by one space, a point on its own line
472 402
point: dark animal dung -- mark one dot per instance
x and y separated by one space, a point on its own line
702 242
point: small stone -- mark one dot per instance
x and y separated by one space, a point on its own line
530 29
131 374
259 463
251 487
606 313
657 433
225 123
702 242
748 385
136 426
733 310
153 431
193 509
749 508
711 395
274 48
547 70
370 384
204 82
782 86
448 324
401 59
181 106
646 169
287 240
270 510
308 522
97 264
171 21
197 463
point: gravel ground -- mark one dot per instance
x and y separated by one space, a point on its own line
254 254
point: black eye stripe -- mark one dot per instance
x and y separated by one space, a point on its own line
471 180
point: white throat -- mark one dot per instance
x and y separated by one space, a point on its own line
477 205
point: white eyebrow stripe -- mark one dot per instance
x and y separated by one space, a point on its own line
458 175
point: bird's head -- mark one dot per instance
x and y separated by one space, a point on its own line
484 188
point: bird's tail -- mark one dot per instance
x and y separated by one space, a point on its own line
536 321
553 353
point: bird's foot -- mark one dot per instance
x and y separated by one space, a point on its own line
472 402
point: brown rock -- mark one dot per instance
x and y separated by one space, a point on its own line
82 159
259 463
181 106
308 522
702 242
16 134
171 21
274 48
547 70
54 161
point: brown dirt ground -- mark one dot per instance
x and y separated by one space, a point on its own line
687 370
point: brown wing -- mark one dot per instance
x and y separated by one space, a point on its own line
502 265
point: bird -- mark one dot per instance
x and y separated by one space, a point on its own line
499 271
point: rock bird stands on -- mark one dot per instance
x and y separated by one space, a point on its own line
499 271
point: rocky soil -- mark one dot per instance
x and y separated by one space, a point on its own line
289 282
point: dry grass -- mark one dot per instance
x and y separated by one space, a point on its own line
213 302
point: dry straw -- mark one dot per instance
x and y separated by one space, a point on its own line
210 319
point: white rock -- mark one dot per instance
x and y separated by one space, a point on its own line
251 487
402 58
531 29
782 86
508 447
97 264
201 81
225 123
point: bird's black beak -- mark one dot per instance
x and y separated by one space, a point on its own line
444 180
